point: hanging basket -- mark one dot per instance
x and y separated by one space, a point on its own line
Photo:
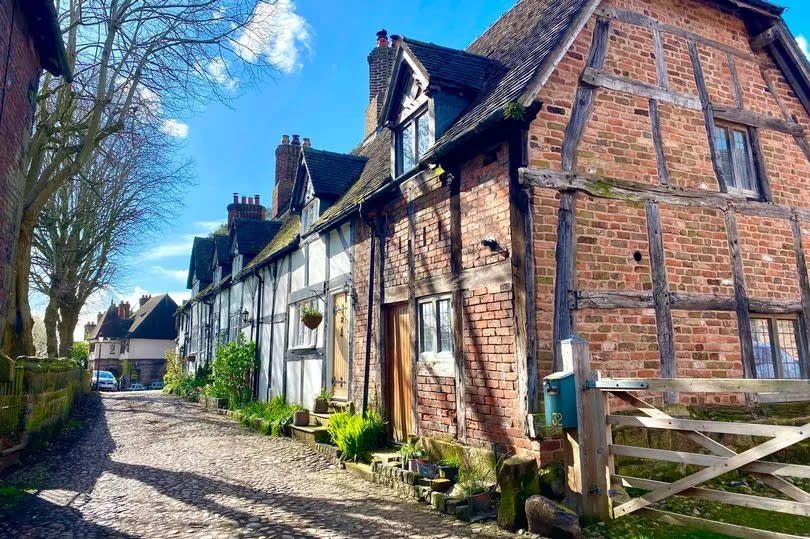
312 319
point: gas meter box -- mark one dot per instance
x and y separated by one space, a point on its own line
560 400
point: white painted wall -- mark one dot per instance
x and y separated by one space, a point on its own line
147 349
317 260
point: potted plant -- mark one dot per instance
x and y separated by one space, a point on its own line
322 401
311 317
448 467
411 453
301 418
475 481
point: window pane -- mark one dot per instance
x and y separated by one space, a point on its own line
427 326
789 352
723 155
406 158
763 353
422 135
445 329
742 165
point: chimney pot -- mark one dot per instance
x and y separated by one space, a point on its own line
396 39
285 139
295 140
382 38
307 143
256 198
250 201
235 198
244 199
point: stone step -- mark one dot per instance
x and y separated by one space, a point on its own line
310 435
319 420
341 406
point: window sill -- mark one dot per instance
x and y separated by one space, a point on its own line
441 366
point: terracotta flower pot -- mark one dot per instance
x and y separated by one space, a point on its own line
312 320
301 418
480 502
321 406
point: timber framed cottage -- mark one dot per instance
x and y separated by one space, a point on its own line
636 172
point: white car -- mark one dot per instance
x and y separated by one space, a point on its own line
104 380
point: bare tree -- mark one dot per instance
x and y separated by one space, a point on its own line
93 223
133 61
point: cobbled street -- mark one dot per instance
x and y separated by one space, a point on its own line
151 465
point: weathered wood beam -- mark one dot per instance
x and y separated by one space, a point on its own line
620 83
800 140
618 189
680 301
731 530
489 275
759 164
804 286
735 81
754 119
787 71
583 102
413 320
708 114
562 325
658 143
660 62
763 39
460 371
660 294
741 296
379 315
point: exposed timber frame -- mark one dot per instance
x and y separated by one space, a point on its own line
413 315
741 296
804 286
563 325
460 370
678 301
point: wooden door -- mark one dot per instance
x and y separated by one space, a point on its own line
399 384
340 347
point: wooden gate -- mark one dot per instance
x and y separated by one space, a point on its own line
11 394
599 492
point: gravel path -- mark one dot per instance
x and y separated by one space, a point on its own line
150 465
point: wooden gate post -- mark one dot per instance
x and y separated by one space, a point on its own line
589 477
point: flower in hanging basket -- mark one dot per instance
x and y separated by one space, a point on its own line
311 317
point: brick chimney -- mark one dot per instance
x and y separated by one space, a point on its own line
123 310
248 208
143 300
380 60
89 328
287 154
99 316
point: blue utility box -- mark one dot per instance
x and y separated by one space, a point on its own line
560 400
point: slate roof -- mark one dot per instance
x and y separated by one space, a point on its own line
443 64
222 249
332 173
287 236
521 41
251 235
202 251
43 24
153 320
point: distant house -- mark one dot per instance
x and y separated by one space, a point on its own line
30 41
141 338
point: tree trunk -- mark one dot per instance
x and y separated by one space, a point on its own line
51 321
67 325
19 339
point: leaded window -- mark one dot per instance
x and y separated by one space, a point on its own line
734 155
776 350
435 328
412 142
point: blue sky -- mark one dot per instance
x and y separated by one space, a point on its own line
321 95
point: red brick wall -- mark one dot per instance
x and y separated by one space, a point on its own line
19 68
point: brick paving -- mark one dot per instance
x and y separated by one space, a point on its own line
151 465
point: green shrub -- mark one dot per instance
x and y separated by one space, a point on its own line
232 366
277 412
355 435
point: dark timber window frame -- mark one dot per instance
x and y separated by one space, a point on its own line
413 121
773 334
733 184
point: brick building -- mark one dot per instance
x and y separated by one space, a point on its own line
30 41
631 171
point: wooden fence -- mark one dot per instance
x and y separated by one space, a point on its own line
11 395
597 491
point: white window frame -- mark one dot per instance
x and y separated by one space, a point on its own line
301 337
435 354
309 214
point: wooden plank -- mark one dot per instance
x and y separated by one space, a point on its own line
711 385
804 286
603 79
735 81
721 496
460 373
660 62
708 114
583 102
379 300
720 427
712 525
759 164
755 119
683 301
660 293
658 143
562 325
741 296
593 436
696 459
781 441
413 320
763 39
490 275
615 188
782 485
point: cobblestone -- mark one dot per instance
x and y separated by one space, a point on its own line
151 465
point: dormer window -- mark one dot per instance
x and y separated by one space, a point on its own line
309 214
412 141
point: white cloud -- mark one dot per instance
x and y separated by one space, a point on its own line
179 275
276 32
218 69
169 249
174 128
802 42
208 226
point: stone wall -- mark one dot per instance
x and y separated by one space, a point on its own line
50 388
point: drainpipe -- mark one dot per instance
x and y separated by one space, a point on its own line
369 310
274 276
258 324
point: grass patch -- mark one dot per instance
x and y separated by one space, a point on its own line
277 412
13 495
634 527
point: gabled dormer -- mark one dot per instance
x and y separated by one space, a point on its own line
322 178
221 261
199 269
248 237
429 88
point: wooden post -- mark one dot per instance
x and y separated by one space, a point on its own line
592 437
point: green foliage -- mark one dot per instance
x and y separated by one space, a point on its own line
452 461
514 111
308 310
277 413
474 476
325 395
232 366
355 435
79 353
411 450
174 371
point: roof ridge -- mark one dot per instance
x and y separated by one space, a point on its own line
340 154
451 49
